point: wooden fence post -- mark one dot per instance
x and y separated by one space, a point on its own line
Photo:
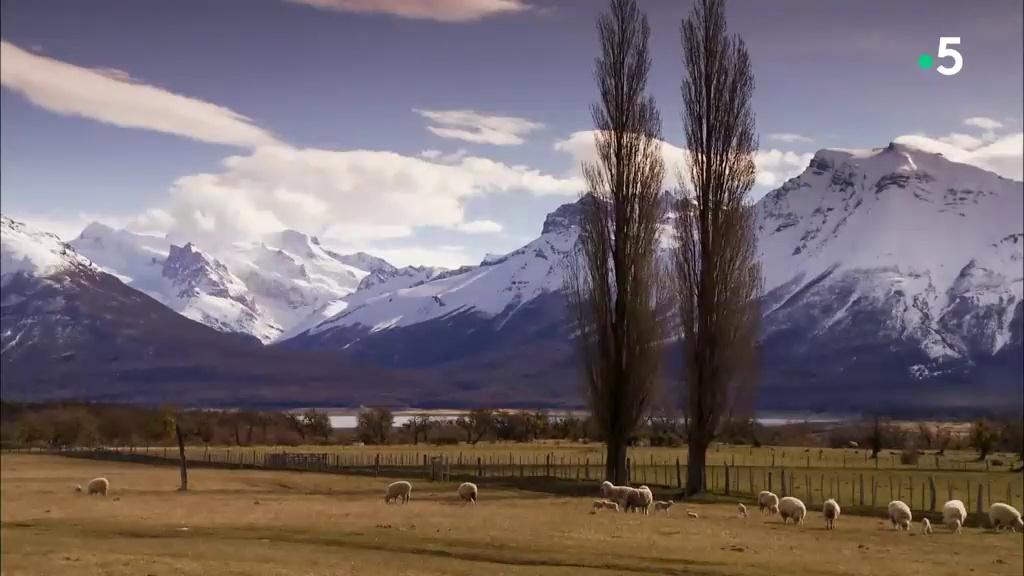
679 475
726 480
376 464
782 479
978 501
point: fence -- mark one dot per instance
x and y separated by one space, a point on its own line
922 490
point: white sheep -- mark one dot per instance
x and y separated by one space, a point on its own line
635 500
615 493
601 504
899 515
742 510
765 501
791 508
95 486
953 515
1003 515
830 509
400 490
663 505
926 526
468 492
647 498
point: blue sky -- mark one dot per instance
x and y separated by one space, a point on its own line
435 131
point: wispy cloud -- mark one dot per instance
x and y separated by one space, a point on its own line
113 97
789 137
480 227
479 127
438 10
987 124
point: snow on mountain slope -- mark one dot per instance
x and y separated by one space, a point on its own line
932 246
33 252
268 289
486 290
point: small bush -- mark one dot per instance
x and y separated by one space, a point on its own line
908 457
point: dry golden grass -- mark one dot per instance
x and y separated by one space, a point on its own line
251 523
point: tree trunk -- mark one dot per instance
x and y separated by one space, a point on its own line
696 458
615 461
181 455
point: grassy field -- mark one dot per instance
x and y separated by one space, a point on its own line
812 474
247 522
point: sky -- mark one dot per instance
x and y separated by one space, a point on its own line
437 131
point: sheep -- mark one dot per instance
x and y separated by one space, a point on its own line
647 498
693 515
601 504
95 486
830 510
663 505
791 508
1005 516
765 501
899 515
615 493
926 526
635 501
400 490
953 515
468 491
742 510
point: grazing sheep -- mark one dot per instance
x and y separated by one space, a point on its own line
468 491
791 508
636 501
953 515
601 504
765 501
1005 516
830 509
852 444
646 499
742 509
693 515
663 505
400 490
95 486
899 515
926 526
615 493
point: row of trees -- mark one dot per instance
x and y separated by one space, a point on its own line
621 295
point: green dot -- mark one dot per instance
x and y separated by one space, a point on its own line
924 61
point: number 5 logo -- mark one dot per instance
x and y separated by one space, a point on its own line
944 50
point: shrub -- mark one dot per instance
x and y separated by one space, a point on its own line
908 457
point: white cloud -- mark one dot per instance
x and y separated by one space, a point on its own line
987 124
430 154
439 10
350 196
480 227
113 97
479 127
789 137
965 141
1004 156
773 166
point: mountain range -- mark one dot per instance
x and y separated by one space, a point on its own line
893 279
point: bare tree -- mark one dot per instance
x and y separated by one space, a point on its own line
612 278
717 272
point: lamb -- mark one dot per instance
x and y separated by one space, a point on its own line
95 486
615 493
899 515
766 500
400 490
601 504
1005 516
791 508
693 515
663 505
468 491
953 515
926 526
742 509
830 509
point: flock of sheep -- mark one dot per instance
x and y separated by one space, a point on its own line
629 499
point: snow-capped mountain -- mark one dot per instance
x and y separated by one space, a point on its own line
68 329
264 289
890 270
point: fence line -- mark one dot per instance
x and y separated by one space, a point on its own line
859 488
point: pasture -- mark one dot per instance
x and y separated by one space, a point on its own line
283 523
